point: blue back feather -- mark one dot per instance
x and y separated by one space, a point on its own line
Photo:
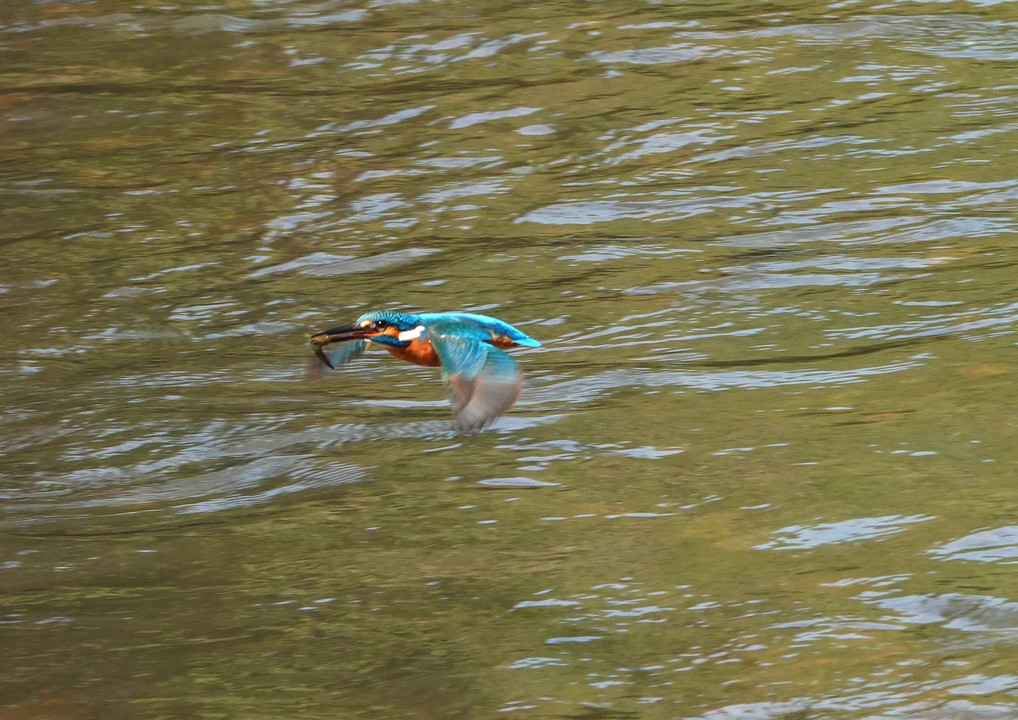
476 327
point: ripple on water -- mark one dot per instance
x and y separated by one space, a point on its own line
416 57
117 490
536 130
611 611
804 537
888 696
578 391
589 212
514 483
681 52
390 119
321 264
200 23
996 545
466 121
245 486
955 611
970 322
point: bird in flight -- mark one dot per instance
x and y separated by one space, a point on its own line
482 380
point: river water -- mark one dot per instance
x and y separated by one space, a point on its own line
764 465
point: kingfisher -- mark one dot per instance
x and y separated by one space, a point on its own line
482 380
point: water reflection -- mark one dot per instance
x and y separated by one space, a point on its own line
801 538
955 611
996 545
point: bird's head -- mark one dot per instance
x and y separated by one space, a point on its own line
387 327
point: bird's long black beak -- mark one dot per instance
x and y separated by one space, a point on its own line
336 334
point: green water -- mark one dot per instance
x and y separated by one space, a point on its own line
764 465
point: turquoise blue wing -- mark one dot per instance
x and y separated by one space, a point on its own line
479 327
483 381
340 353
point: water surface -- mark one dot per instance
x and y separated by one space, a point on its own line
764 463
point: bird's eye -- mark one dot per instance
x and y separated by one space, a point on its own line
381 324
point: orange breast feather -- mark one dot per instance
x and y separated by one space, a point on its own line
419 352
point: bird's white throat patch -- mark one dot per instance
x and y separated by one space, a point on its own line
408 335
